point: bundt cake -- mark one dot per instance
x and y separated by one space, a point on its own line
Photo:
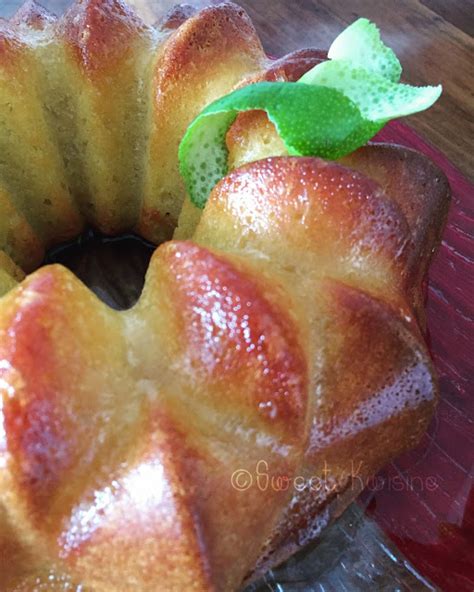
275 359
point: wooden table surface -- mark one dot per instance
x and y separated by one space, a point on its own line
433 39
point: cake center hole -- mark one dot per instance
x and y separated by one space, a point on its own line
113 268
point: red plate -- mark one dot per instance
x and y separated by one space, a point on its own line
424 501
431 520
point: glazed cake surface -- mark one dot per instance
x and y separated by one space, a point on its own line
280 332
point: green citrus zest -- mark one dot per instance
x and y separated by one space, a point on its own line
331 111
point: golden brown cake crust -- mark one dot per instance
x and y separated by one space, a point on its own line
100 32
218 43
141 454
342 248
34 16
149 449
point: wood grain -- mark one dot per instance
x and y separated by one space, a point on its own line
431 37
459 13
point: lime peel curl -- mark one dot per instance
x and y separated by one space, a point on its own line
361 44
331 111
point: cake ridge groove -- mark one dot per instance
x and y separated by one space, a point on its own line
279 329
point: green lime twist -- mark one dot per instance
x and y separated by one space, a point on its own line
331 111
